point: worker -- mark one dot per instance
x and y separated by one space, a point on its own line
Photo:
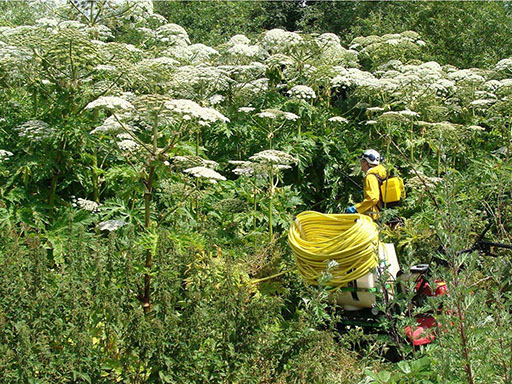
371 204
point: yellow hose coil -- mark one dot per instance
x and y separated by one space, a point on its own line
349 239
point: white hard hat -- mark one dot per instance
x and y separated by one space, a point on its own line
371 156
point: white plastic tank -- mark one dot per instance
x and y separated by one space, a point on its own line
360 293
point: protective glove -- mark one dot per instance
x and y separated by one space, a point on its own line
351 209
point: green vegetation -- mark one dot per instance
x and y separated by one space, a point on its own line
149 172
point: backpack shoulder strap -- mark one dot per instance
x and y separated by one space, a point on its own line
380 180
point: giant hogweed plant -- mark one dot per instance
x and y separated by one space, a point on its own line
147 129
266 168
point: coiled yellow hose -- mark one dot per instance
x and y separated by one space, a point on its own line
349 239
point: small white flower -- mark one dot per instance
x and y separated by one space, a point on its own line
239 39
482 102
375 109
371 122
302 92
244 50
290 116
246 109
266 114
35 130
476 128
204 115
338 119
273 156
409 113
111 225
216 99
4 155
85 204
110 102
128 145
109 125
205 173
332 264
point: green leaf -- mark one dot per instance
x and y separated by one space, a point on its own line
384 376
405 367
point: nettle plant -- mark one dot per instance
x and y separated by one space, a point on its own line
146 129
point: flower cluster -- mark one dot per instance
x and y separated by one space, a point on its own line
504 65
338 119
190 80
238 39
111 225
416 182
279 40
87 205
244 50
277 114
110 102
246 109
200 53
216 99
263 163
274 157
205 173
128 145
184 162
4 155
110 125
189 109
35 130
172 35
302 92
327 39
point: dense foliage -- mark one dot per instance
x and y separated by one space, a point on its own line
147 181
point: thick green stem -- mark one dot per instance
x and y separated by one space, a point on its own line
148 194
197 143
270 206
55 177
53 189
95 178
148 191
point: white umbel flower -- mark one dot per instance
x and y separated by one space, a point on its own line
482 102
302 92
110 125
111 225
205 116
246 109
276 113
338 119
172 34
216 99
244 50
409 113
87 205
4 155
280 40
504 65
375 109
35 130
205 173
273 156
128 145
238 39
110 102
